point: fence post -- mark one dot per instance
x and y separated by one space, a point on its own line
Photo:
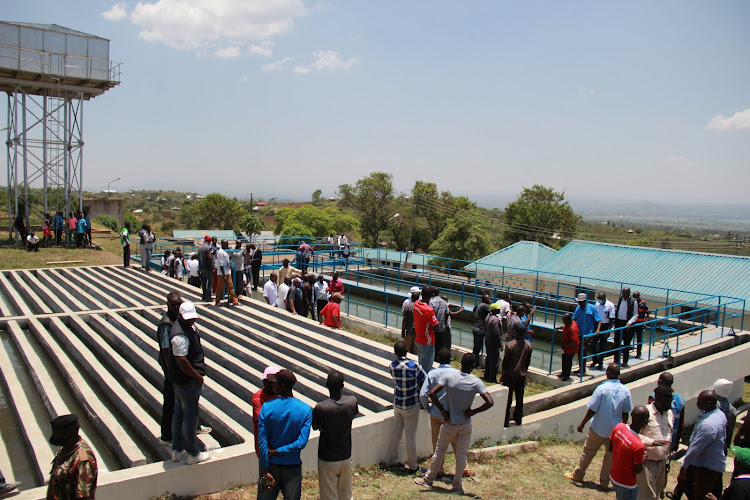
386 309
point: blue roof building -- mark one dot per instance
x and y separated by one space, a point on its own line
652 270
521 256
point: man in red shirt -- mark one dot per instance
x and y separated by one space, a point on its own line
336 285
569 343
628 454
330 315
426 329
263 395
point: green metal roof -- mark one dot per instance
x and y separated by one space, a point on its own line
381 254
651 269
199 234
524 255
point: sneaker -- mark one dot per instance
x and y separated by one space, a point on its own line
569 475
165 442
177 456
6 488
423 481
202 456
202 429
457 490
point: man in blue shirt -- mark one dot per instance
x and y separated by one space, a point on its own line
704 461
589 324
408 377
283 430
436 419
609 405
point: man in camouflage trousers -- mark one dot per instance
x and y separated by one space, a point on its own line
74 470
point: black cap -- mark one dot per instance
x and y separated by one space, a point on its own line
286 378
63 421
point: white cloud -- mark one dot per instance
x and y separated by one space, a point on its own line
116 13
331 60
739 121
244 79
586 95
211 26
228 52
302 70
264 49
277 65
678 161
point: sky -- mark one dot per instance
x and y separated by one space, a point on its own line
632 100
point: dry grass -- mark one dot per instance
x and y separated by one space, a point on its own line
535 475
110 252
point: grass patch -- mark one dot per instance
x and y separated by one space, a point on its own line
537 474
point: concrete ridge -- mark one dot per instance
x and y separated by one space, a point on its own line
294 337
42 380
95 411
39 449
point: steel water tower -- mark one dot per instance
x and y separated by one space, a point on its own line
48 72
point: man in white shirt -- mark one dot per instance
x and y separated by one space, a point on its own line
657 437
270 290
626 314
224 276
193 269
599 343
320 292
284 286
32 242
504 302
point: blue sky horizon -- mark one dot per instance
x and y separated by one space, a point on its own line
618 100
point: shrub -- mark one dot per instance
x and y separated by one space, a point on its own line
109 222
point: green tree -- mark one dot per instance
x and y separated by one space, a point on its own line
281 216
215 211
433 207
316 196
341 223
537 214
252 223
372 198
465 235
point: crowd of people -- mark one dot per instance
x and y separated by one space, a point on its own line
76 228
637 457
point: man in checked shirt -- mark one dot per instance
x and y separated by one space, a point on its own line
408 376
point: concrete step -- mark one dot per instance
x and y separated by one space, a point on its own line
113 281
14 302
55 303
331 345
91 299
312 361
96 411
162 285
89 280
311 374
45 386
228 365
143 357
30 424
83 286
60 289
29 296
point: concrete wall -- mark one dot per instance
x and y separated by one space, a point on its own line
104 206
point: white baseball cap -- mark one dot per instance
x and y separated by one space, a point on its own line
187 310
415 289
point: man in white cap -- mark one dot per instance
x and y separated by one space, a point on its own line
186 371
407 322
723 389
